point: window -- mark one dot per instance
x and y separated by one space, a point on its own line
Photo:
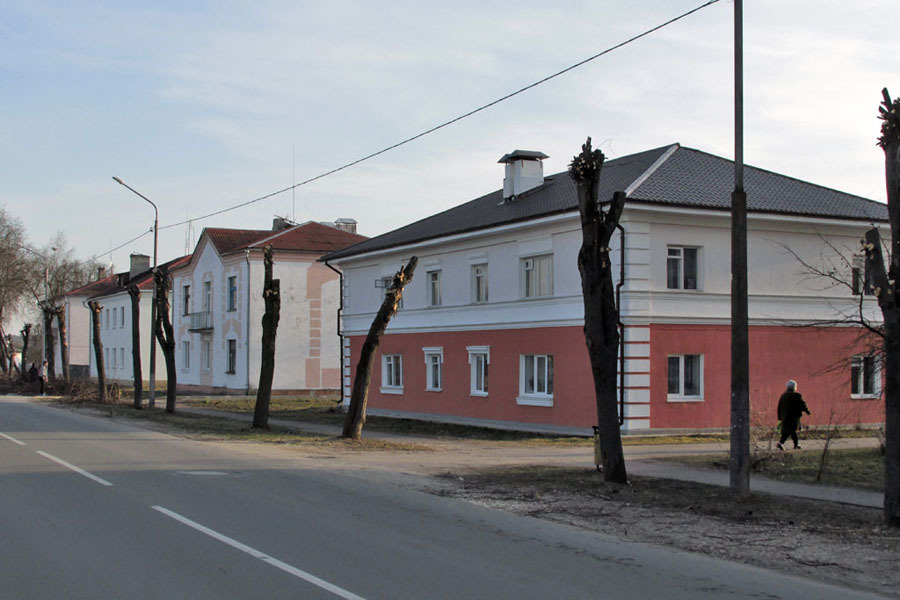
112 365
685 376
106 318
681 268
535 380
186 300
865 376
232 357
434 359
386 283
186 354
122 317
232 293
537 276
434 288
207 296
392 374
479 283
106 356
861 277
479 357
122 356
206 353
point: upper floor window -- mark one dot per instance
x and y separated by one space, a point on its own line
479 357
392 374
207 296
479 283
186 300
537 276
387 283
434 288
434 359
106 319
685 377
865 376
681 268
122 317
861 277
232 293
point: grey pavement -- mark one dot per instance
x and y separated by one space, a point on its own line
641 459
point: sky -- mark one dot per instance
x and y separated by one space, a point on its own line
204 105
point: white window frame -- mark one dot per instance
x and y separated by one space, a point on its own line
434 368
207 301
480 293
185 354
535 396
386 283
532 271
857 362
391 364
680 396
433 281
676 255
185 300
479 386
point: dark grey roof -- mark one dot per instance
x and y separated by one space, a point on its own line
687 178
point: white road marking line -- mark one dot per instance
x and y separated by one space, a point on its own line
99 480
12 439
257 554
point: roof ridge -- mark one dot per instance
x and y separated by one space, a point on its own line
634 185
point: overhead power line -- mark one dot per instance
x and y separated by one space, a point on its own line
451 121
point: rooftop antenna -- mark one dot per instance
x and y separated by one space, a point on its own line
293 183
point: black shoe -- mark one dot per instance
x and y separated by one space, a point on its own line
779 446
797 447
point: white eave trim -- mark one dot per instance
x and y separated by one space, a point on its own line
650 171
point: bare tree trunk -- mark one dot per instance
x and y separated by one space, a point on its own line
95 309
165 334
272 298
5 353
356 412
135 294
886 289
63 341
26 336
601 315
49 346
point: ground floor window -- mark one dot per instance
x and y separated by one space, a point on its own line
232 357
479 357
536 379
434 359
206 352
685 377
186 354
392 374
865 376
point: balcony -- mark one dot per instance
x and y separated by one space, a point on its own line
201 321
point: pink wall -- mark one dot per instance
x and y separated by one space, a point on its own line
777 354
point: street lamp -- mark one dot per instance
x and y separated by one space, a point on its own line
152 401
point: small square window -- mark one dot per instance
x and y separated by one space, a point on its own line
535 380
681 268
392 374
685 378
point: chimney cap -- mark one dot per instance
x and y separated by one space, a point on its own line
522 155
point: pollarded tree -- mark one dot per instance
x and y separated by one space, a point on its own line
272 298
601 315
886 289
165 334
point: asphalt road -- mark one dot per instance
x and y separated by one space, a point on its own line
91 508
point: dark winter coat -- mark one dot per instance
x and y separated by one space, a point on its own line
790 407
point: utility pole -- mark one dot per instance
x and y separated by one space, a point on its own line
739 462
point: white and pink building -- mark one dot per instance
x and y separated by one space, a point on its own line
217 308
490 329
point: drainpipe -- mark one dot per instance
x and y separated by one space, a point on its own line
247 342
620 324
340 335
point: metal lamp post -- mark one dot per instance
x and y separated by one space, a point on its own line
152 400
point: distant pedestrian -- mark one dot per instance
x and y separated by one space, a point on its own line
32 374
791 407
42 376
